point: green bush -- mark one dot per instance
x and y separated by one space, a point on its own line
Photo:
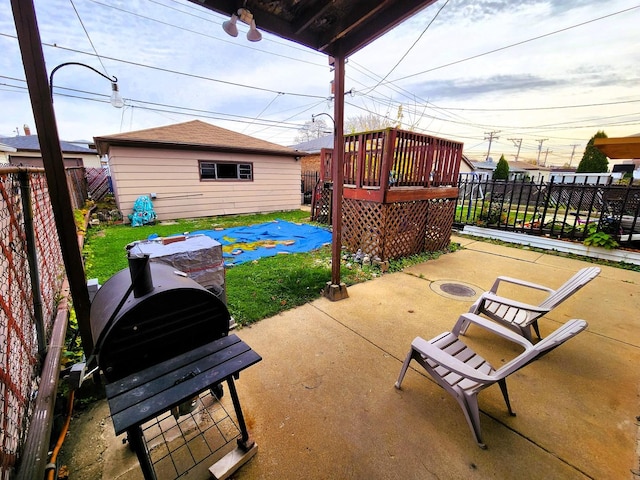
599 239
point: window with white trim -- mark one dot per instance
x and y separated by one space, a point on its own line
226 171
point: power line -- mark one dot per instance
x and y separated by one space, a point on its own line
176 72
527 109
168 108
89 37
409 49
518 43
195 32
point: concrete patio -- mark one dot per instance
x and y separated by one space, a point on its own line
322 403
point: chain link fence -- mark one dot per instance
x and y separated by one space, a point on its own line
31 278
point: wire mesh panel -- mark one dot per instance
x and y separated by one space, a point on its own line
190 438
50 264
19 365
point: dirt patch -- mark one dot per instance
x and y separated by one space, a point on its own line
85 445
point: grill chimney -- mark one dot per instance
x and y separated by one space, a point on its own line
140 274
27 130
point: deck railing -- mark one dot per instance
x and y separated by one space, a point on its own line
390 159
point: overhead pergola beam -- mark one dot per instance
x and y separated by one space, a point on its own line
619 147
338 27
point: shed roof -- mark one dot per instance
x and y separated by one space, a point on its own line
193 135
30 143
7 148
314 145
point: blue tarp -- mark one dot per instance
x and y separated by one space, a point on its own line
304 237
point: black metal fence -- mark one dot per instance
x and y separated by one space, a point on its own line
309 180
559 208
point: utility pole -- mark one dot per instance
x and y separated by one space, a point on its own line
573 152
491 136
546 155
517 142
540 141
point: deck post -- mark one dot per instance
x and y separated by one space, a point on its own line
335 290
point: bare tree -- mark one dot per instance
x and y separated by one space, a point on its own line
313 129
366 123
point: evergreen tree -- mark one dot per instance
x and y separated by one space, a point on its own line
593 160
502 169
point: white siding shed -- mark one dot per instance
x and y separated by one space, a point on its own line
195 169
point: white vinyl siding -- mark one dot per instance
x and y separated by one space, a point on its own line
174 176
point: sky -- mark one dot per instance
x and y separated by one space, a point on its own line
493 74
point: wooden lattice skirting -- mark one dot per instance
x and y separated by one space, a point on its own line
399 229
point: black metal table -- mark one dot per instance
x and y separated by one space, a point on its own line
142 396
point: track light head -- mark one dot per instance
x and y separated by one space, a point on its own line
230 26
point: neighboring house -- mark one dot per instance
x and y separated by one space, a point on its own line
195 169
5 150
466 166
517 170
27 153
311 162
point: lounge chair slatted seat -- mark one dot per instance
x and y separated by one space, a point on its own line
519 316
464 373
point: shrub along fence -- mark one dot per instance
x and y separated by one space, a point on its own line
571 210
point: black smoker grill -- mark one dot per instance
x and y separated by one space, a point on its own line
150 313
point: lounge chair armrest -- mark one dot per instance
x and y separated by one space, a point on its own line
517 281
493 327
431 352
492 297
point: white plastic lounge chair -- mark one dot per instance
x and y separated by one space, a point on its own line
463 373
519 316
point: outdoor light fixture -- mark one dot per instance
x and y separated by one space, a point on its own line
313 117
230 26
253 35
116 100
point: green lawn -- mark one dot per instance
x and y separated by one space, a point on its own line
255 290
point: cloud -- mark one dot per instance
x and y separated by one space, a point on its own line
464 89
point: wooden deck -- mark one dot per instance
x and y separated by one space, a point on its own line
399 192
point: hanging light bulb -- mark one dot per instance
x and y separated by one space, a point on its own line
230 26
116 98
253 35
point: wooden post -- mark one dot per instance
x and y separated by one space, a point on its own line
335 290
40 94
